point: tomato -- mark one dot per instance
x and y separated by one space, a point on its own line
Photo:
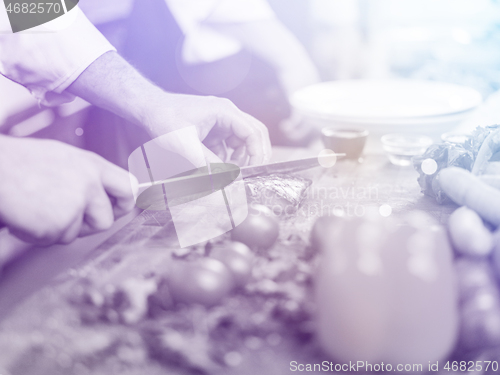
259 230
260 209
205 281
238 259
320 230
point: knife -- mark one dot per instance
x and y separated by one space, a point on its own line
285 166
290 166
201 182
198 183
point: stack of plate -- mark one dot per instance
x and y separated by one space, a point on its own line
390 106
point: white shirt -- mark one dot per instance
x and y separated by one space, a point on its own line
50 57
202 43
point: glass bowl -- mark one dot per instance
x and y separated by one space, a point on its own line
401 148
345 141
456 138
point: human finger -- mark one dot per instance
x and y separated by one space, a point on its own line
234 142
31 236
252 136
120 185
465 189
185 143
219 149
265 136
258 144
37 236
86 230
99 212
240 156
249 130
72 232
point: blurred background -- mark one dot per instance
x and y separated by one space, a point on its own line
455 41
449 40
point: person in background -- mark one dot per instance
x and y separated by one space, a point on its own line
51 192
236 49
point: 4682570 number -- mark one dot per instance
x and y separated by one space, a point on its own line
470 366
34 8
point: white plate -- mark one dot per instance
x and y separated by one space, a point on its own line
388 101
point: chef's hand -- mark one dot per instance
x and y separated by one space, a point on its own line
226 132
480 200
53 193
111 83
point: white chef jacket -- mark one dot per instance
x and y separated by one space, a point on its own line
50 57
202 43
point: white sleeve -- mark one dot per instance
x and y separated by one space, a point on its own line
202 43
236 11
50 57
190 13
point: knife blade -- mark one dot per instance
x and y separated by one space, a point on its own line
201 182
285 166
289 166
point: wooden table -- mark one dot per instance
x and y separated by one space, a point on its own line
31 267
349 187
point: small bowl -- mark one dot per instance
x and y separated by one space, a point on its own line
345 141
455 138
401 148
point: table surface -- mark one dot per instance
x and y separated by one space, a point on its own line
350 186
396 186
